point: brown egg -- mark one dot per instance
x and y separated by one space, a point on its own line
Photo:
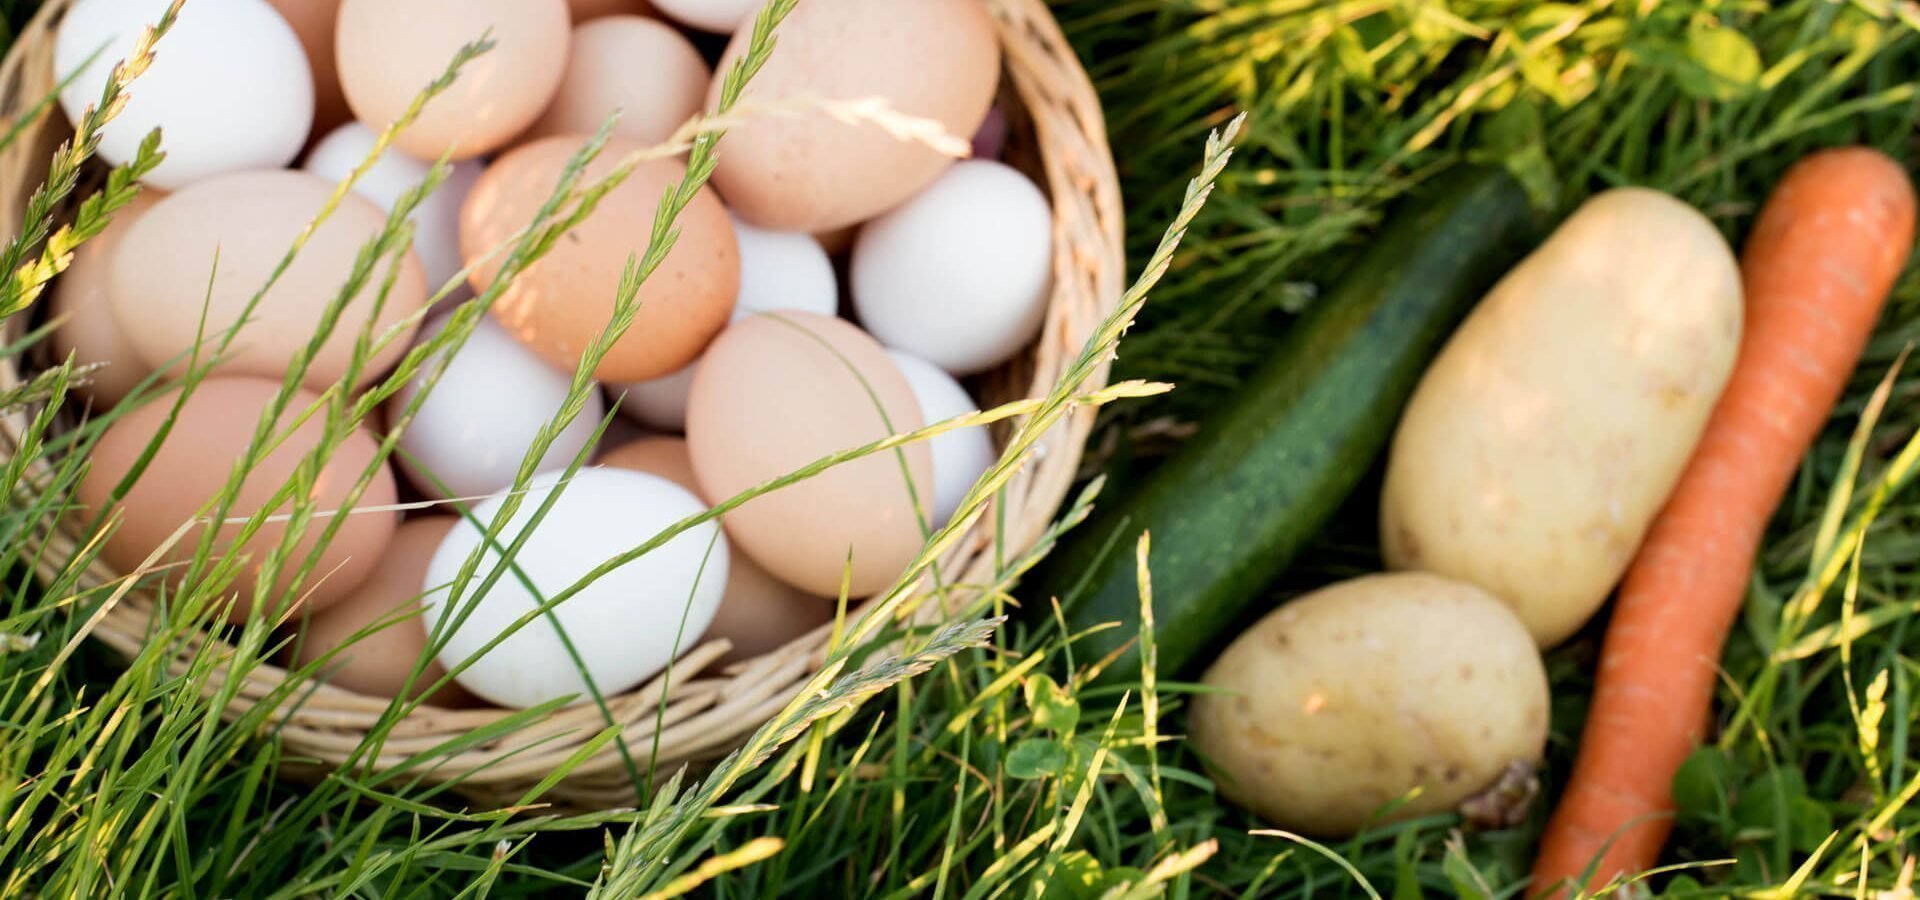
390 50
666 457
561 304
781 390
246 221
642 67
90 334
315 22
935 59
759 614
211 434
377 665
593 9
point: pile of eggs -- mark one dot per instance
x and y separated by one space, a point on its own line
832 286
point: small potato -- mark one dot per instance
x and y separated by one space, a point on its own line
1549 432
1356 695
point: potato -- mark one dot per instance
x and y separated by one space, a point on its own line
1353 696
1550 430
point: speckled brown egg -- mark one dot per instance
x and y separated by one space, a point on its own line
390 50
778 391
246 221
315 21
561 304
211 434
934 59
640 67
759 613
378 664
89 333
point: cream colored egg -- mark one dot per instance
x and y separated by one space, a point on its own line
378 664
562 304
637 66
933 59
212 432
781 390
391 50
82 298
759 614
165 273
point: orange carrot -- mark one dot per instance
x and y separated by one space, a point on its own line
1822 258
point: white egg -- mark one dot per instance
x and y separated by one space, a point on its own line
474 429
961 456
229 84
778 271
781 270
626 626
717 16
958 276
660 403
436 220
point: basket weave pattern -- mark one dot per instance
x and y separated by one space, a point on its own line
1059 138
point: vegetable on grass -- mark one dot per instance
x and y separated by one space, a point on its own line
1540 445
1229 512
1377 700
1822 258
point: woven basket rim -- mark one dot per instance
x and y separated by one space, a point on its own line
702 711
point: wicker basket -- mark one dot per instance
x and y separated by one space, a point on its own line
1058 137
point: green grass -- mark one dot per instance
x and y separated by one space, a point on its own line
977 765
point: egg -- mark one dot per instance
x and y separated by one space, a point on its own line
778 270
759 614
89 333
473 430
626 626
777 392
246 221
229 84
718 16
639 67
932 59
313 22
960 275
961 456
436 220
784 271
584 10
391 50
211 433
660 403
377 665
562 303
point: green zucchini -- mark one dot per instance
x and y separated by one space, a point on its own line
1229 511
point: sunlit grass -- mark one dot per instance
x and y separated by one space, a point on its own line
974 760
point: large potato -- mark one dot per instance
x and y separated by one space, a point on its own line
1548 433
1353 696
